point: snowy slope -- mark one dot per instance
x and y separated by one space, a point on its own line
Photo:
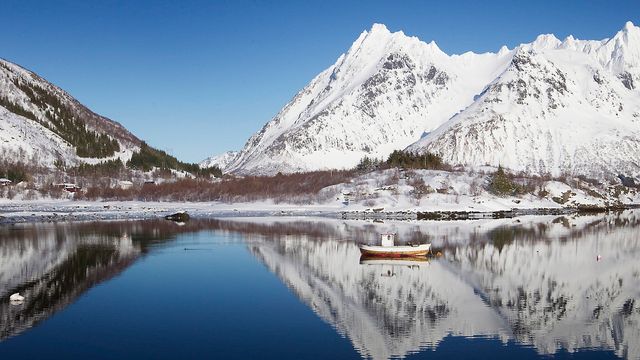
31 138
549 106
381 95
28 141
221 160
560 107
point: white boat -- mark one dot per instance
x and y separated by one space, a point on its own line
389 249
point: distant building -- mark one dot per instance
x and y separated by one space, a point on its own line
346 198
5 182
125 184
69 187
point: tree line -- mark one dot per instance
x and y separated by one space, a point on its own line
403 159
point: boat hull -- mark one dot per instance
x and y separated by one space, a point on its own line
395 251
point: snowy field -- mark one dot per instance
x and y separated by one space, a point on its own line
384 193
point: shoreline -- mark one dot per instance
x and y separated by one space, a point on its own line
55 211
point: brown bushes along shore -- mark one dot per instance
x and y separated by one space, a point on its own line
297 187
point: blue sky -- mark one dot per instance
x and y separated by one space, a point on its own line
199 77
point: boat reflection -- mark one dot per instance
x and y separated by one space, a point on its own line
409 261
387 266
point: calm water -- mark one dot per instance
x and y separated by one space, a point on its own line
297 288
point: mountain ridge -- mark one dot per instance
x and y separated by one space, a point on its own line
552 112
390 91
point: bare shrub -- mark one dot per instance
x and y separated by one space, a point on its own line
475 188
298 187
393 178
30 194
543 192
370 202
420 188
444 187
55 192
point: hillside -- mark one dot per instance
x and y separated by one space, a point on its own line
36 109
43 127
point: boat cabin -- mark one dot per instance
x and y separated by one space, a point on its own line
388 239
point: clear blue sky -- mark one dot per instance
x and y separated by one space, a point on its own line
199 77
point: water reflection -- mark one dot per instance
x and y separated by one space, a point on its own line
570 282
53 264
537 281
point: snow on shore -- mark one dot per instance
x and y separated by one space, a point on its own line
386 191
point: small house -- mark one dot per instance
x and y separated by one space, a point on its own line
70 187
125 184
5 182
345 198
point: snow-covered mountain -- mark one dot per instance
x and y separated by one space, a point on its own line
41 123
567 106
549 106
220 160
379 96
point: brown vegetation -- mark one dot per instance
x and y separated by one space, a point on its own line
298 187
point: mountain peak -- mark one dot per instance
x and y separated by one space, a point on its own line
377 27
545 41
623 50
629 33
628 26
220 160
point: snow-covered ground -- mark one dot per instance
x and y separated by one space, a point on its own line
26 140
387 191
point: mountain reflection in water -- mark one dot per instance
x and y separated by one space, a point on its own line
536 281
533 280
53 264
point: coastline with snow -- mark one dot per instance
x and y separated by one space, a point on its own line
13 212
383 194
